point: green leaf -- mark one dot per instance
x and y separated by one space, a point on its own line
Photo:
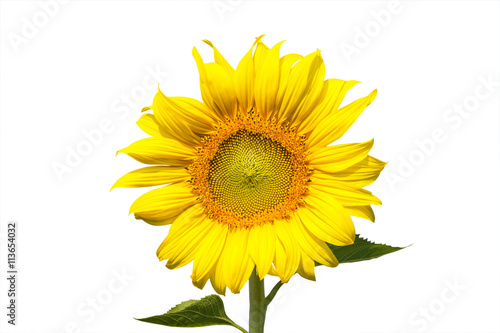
207 311
361 250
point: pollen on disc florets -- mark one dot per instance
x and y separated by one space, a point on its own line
250 171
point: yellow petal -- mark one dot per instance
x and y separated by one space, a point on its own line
170 220
152 176
332 94
286 63
187 220
219 59
245 81
365 212
272 271
306 267
181 118
197 114
182 244
209 251
237 265
150 125
166 221
217 88
163 203
304 86
160 151
262 246
312 245
314 87
339 157
261 51
206 95
287 251
328 221
217 278
358 175
200 283
221 87
337 123
172 121
267 82
345 195
189 244
193 213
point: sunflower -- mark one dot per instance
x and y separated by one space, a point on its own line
251 181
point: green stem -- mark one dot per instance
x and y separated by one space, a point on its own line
258 304
273 293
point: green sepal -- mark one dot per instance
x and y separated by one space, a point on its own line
207 311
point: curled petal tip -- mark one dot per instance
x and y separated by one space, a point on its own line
257 40
208 42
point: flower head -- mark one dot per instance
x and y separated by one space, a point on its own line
250 181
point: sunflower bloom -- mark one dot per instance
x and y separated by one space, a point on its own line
250 180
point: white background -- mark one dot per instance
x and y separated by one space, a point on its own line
78 67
